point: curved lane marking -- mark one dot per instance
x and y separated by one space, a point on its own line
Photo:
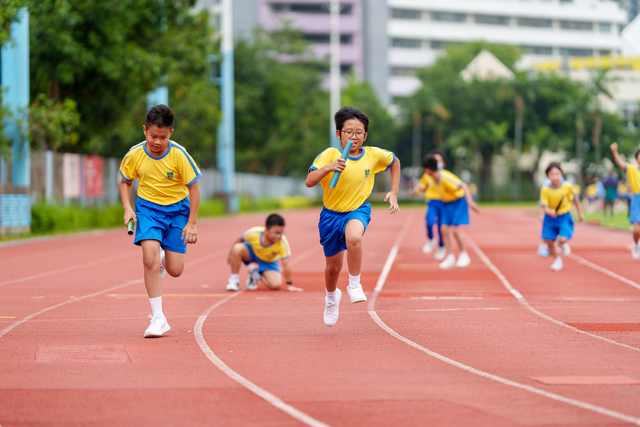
255 389
553 396
604 271
521 299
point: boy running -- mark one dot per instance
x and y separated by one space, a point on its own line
633 178
260 248
165 217
434 209
457 200
346 214
556 199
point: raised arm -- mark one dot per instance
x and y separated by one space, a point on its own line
616 157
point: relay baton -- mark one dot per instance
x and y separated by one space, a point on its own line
345 154
130 227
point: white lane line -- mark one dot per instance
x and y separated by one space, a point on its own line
526 304
605 271
553 396
255 389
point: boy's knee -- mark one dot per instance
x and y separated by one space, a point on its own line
151 261
353 241
333 269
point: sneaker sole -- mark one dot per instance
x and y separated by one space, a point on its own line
150 335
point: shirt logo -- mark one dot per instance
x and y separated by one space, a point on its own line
366 173
170 175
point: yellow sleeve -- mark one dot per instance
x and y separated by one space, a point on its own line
385 159
423 184
128 168
188 169
285 250
324 158
544 196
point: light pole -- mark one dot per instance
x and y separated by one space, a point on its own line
334 10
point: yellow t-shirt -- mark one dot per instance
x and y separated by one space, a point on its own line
431 192
633 178
161 180
558 198
591 191
271 253
356 181
449 186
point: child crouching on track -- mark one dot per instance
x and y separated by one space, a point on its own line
455 212
556 199
165 217
346 214
260 248
633 178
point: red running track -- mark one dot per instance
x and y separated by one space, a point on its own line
502 342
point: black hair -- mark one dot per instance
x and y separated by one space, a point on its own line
438 152
430 162
553 165
349 112
637 154
274 219
160 116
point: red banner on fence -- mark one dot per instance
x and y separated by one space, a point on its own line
93 176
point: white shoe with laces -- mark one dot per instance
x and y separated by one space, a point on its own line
356 293
557 264
253 278
566 249
428 247
157 327
635 251
331 312
233 286
162 270
463 260
449 262
440 254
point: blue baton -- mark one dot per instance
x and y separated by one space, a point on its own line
345 154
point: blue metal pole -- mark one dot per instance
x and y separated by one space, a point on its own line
15 83
158 96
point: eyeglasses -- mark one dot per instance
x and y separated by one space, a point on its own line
349 134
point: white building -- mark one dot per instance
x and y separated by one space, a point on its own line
419 30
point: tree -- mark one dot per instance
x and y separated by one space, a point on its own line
8 11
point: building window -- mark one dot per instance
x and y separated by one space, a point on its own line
534 22
604 27
575 52
325 38
604 52
345 68
576 25
537 50
439 44
492 20
407 43
406 14
403 71
448 17
315 8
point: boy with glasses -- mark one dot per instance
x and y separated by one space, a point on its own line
346 214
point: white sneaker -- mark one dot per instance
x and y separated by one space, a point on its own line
440 254
557 264
635 251
449 262
162 270
356 293
233 286
543 250
157 327
254 278
463 260
331 310
428 247
566 250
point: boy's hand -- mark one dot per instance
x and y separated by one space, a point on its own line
393 203
129 215
552 213
580 217
190 232
475 208
337 165
292 288
614 147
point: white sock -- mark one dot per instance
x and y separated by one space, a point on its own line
234 278
156 306
331 296
354 279
462 253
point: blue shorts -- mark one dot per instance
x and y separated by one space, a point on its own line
332 225
562 225
262 265
634 209
162 223
434 212
455 213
